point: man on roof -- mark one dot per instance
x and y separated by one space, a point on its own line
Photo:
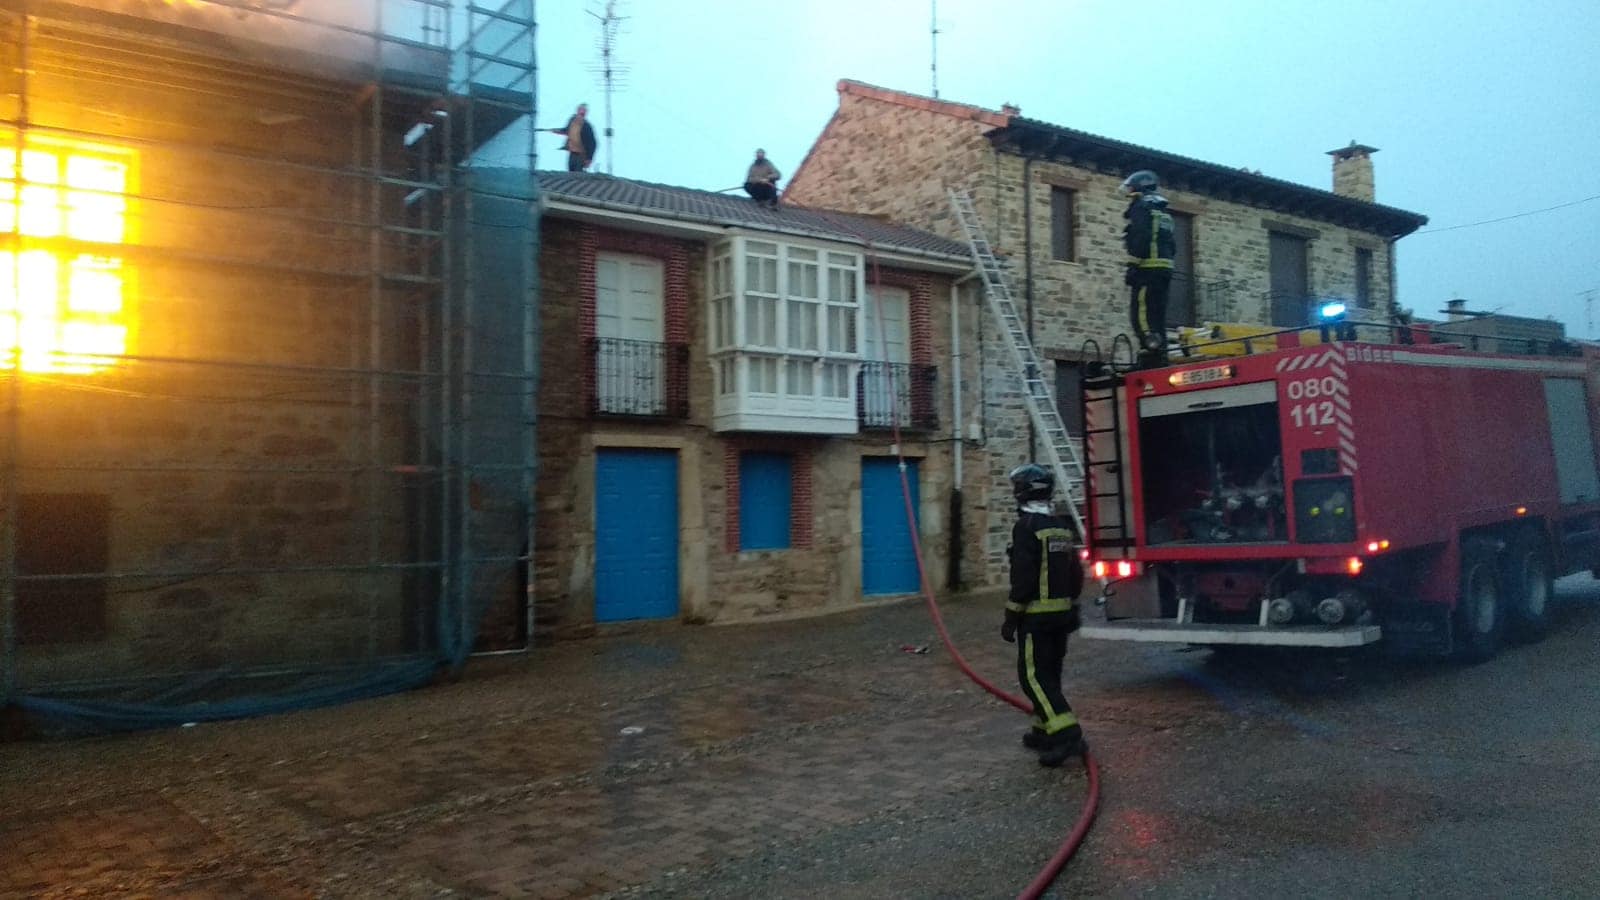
581 142
761 182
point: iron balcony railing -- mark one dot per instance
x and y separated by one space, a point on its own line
639 378
889 393
1193 301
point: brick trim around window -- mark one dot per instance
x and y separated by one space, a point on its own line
674 256
920 288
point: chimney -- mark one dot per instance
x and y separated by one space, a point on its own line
1456 310
1007 109
1352 172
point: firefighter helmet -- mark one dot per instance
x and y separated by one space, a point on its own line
1143 181
1031 481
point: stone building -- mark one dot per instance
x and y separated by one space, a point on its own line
716 406
1251 248
231 346
1497 332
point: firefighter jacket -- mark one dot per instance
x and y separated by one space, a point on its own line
1046 574
1148 236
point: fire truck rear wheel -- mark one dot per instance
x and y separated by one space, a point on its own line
1480 613
1529 579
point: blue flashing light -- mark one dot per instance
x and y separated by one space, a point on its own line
1332 310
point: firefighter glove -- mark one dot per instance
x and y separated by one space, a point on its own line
1008 629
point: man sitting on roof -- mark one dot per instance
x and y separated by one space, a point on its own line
761 182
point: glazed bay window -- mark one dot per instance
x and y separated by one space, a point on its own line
783 331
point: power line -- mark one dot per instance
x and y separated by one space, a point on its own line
1531 212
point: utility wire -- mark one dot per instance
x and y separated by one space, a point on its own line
1531 212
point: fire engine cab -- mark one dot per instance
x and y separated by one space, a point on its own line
1305 488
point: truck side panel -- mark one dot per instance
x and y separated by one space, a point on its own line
1447 447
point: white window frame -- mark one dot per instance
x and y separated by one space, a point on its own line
832 365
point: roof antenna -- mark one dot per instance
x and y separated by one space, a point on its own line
613 77
933 30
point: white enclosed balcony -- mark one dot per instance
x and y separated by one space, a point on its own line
784 333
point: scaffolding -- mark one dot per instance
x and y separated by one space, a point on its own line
268 339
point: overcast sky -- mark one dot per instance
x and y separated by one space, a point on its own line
1480 109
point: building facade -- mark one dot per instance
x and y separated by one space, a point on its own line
1251 249
238 291
717 407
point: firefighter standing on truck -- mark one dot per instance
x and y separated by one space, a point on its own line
1149 240
1046 577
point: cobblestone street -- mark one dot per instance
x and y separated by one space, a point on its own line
818 758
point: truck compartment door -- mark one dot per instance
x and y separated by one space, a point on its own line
1568 410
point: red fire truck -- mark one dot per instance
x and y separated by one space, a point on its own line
1331 493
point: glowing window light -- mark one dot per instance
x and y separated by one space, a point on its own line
61 311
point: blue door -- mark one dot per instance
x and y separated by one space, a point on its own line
635 535
888 562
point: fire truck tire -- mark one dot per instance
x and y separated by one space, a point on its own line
1529 579
1480 613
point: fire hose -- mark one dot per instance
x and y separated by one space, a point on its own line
1091 804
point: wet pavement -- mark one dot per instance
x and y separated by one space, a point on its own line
818 759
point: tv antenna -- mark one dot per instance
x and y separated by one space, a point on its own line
613 76
933 31
1588 309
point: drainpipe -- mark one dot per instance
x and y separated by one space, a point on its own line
955 369
953 574
1394 298
1027 273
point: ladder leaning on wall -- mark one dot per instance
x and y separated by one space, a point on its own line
1061 449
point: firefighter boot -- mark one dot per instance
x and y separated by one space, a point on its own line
1035 739
1062 746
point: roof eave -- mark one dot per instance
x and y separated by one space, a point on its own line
1207 178
710 226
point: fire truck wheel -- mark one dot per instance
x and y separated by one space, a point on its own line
1529 582
1480 613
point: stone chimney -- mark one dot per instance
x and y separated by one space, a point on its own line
1008 109
1352 172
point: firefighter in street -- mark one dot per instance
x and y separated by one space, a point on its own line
1149 240
1046 577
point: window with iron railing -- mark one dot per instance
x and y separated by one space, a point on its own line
1195 300
640 378
904 394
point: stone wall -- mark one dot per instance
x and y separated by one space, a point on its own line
718 582
898 161
256 502
891 154
1086 298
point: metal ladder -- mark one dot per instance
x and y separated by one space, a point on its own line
1061 450
1102 452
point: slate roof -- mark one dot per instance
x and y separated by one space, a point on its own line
1031 136
683 204
1011 132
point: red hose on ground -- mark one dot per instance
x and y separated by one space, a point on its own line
1091 803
